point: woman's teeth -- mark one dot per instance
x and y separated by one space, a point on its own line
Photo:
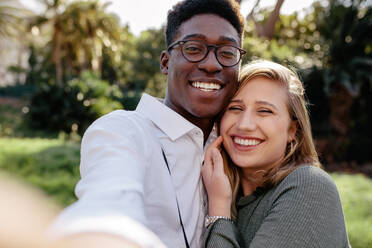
246 142
206 86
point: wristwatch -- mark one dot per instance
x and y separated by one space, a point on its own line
209 220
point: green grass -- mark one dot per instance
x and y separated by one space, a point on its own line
49 164
356 198
52 165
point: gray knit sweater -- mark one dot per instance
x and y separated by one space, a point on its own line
304 210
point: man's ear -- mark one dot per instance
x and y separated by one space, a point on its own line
164 59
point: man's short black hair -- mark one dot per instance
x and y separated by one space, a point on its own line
183 11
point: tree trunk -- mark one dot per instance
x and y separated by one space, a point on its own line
57 56
268 28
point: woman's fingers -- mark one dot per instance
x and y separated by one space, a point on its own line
208 152
207 169
217 161
216 143
210 159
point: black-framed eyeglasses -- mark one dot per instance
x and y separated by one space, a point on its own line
196 50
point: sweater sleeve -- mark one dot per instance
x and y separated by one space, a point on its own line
306 212
221 234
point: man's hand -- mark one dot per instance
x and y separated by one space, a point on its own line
216 182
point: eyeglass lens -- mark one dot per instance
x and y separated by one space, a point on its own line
197 51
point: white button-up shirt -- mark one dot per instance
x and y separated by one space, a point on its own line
124 174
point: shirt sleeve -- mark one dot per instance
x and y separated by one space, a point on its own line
111 190
306 212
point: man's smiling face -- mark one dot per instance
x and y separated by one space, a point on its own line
202 89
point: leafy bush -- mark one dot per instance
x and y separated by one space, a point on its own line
49 164
74 106
10 120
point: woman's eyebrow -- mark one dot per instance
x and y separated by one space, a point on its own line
266 103
236 101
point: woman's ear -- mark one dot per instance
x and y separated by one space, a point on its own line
292 130
164 59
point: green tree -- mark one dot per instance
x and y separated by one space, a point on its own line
145 74
117 61
347 64
80 31
87 28
339 83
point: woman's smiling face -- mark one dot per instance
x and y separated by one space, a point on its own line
256 126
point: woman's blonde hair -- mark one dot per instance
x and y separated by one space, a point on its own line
301 149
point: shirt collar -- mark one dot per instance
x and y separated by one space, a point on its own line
169 121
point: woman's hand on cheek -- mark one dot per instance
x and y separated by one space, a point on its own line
216 182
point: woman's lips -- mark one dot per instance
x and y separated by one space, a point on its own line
246 143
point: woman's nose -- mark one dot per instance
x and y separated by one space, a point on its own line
247 121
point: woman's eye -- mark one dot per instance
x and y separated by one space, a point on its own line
234 108
266 111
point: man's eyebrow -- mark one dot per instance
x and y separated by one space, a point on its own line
229 39
201 36
266 103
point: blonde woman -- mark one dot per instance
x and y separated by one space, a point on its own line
262 175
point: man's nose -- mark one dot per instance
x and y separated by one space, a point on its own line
210 63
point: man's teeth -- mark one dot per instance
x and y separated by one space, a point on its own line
246 142
206 86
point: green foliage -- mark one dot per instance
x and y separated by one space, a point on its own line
346 29
356 197
295 42
142 67
345 41
318 98
40 69
49 164
80 32
14 124
11 120
147 75
75 107
117 61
